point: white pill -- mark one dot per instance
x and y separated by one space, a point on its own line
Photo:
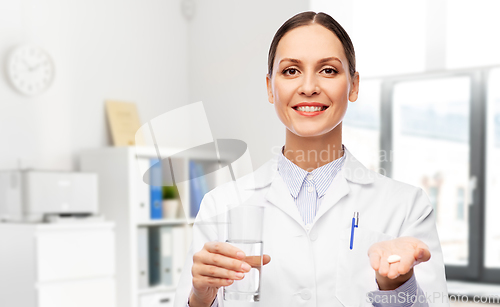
393 258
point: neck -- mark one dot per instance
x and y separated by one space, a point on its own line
310 153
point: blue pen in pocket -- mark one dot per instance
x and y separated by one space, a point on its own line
355 221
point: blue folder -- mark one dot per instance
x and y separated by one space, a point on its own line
156 189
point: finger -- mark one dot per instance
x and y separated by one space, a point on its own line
393 270
405 264
217 272
266 259
384 266
254 261
375 261
201 282
422 254
224 262
225 249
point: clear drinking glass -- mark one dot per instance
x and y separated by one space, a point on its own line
245 232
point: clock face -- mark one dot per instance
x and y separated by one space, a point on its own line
30 69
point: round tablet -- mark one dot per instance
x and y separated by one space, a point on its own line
393 258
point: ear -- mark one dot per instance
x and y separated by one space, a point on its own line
353 94
270 96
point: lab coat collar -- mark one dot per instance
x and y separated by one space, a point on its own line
356 172
352 170
279 194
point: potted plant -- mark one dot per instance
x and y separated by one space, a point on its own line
171 202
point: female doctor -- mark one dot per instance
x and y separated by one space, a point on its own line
310 192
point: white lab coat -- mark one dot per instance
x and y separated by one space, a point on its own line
315 267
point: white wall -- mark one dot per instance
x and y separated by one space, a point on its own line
126 50
144 52
228 46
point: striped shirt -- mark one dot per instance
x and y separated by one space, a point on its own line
308 188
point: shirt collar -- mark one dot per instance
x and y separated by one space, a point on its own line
294 176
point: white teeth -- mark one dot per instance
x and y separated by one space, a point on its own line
309 109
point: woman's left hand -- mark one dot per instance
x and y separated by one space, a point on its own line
392 275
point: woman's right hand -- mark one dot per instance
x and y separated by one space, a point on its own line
218 264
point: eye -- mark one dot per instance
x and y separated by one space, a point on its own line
290 71
330 71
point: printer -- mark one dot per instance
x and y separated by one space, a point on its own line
31 195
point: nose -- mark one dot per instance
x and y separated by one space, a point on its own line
309 85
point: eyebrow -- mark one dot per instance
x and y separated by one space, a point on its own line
320 61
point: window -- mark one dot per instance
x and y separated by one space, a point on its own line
492 213
433 193
443 132
460 204
431 150
361 125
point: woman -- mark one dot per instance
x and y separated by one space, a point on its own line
310 200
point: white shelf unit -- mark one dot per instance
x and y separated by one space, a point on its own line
119 182
57 265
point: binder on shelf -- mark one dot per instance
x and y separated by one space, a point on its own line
178 252
197 187
160 256
154 256
194 189
143 192
166 255
156 189
203 180
143 261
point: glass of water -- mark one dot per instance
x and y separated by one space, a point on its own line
245 232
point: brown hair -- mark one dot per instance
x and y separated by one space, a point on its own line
307 18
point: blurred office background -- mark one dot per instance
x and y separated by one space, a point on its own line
428 112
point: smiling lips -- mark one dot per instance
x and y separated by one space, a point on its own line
309 109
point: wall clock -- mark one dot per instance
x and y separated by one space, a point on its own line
30 69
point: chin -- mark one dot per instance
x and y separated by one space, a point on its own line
308 132
312 131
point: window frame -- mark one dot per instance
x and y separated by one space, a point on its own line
475 270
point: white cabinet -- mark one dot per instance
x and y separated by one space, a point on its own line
157 300
78 293
80 254
57 265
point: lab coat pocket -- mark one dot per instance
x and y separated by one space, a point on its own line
355 276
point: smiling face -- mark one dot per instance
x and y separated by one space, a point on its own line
310 68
